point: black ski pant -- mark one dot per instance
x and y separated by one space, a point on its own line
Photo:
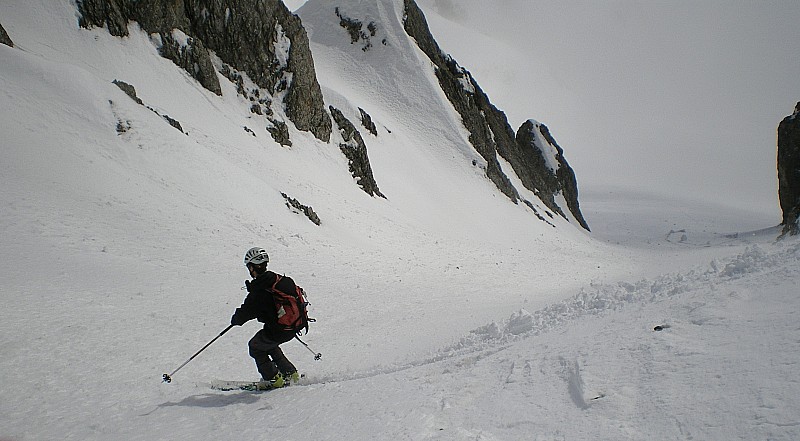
269 356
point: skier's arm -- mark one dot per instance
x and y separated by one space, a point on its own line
239 317
246 312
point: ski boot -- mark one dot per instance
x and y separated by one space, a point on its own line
275 383
291 378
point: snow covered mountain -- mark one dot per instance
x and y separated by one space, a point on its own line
130 191
263 49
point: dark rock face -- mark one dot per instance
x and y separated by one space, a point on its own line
490 132
266 41
173 122
534 156
156 17
356 152
452 78
295 205
129 90
258 37
4 38
789 171
366 121
279 132
354 28
104 12
193 57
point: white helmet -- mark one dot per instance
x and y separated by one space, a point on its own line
256 256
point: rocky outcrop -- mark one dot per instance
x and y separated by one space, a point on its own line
169 20
355 28
258 37
366 121
279 132
544 166
468 101
4 38
192 55
490 132
355 150
295 205
104 13
129 90
124 126
789 171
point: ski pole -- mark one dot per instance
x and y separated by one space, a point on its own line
317 355
167 378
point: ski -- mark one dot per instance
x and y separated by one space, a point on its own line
252 386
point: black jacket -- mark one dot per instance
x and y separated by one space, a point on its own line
260 305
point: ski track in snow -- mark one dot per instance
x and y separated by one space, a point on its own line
596 300
700 300
517 360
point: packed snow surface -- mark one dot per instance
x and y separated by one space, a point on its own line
444 311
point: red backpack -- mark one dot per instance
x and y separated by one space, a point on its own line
290 303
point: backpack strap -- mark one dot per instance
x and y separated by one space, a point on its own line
278 278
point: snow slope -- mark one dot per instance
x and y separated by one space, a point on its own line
445 311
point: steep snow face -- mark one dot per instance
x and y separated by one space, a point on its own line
420 78
365 60
111 190
382 70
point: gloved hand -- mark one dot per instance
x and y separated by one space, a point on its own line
235 321
247 285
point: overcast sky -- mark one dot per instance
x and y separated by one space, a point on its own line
681 97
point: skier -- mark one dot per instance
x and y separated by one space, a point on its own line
275 369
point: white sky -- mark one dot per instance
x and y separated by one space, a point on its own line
679 97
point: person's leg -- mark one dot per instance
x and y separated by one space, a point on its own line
284 365
260 349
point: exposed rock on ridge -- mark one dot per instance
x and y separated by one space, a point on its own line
295 205
124 126
4 38
354 27
249 35
490 132
355 150
451 78
192 55
366 121
536 149
789 171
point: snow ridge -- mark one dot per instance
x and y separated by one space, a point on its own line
596 300
600 298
